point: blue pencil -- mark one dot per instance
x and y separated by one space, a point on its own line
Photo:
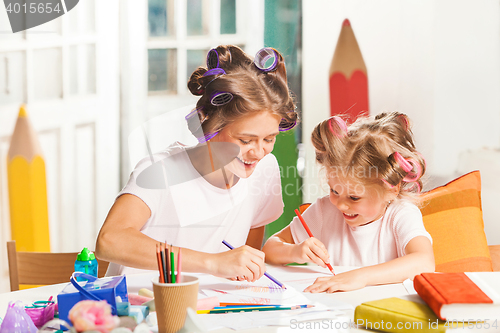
266 274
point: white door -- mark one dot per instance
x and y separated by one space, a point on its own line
67 73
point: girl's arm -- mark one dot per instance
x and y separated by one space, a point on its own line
419 258
121 241
255 237
280 249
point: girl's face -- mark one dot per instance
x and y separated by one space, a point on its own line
358 203
255 135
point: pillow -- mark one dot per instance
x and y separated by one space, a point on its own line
453 216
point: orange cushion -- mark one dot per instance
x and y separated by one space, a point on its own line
453 216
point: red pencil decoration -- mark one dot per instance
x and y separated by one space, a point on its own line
311 235
348 78
160 266
179 266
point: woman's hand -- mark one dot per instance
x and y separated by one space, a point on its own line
310 250
242 263
347 281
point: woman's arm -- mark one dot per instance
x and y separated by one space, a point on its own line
121 241
419 258
280 249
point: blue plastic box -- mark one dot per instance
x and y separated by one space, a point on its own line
111 289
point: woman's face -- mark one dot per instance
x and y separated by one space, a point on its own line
255 135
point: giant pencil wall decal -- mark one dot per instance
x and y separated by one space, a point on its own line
29 218
348 78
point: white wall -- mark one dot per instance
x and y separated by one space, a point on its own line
437 61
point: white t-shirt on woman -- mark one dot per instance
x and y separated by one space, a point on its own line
197 215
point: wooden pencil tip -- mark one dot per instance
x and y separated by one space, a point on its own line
346 23
22 111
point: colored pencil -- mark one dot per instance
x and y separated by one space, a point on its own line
266 274
179 266
242 305
348 77
27 188
248 309
160 268
163 264
167 263
311 235
172 263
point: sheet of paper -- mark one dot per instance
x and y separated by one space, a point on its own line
247 320
408 284
262 291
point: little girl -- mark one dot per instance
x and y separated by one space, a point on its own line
369 219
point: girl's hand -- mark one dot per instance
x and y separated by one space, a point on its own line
311 250
242 263
347 281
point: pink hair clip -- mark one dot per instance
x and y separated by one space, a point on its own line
387 183
341 124
407 167
405 121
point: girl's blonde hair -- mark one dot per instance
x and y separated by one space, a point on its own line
372 151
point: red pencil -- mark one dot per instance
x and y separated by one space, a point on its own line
311 235
160 268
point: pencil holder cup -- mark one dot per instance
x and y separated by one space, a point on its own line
172 301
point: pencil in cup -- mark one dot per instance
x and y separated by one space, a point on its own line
266 274
159 260
311 235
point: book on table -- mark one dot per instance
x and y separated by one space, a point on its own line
411 315
461 296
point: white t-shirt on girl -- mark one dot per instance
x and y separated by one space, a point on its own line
194 214
378 242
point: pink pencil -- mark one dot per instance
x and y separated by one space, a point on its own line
179 266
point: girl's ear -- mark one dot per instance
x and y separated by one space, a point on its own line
392 192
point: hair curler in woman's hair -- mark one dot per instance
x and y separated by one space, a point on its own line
261 58
220 98
216 72
212 59
207 137
341 125
285 125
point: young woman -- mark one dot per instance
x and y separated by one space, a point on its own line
244 105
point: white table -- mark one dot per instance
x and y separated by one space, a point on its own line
285 274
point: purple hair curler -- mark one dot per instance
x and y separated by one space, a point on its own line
212 59
207 137
215 71
261 58
283 127
220 98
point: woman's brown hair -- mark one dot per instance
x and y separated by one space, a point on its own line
252 90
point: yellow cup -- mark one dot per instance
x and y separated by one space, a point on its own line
172 301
